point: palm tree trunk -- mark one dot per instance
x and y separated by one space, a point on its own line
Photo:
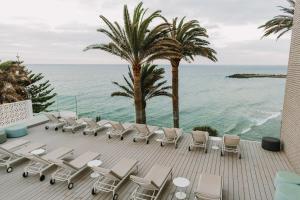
138 94
144 113
175 96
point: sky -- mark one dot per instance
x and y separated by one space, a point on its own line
57 31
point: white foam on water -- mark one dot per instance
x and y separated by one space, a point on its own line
262 121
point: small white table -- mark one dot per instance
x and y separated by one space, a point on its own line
38 152
159 132
94 163
215 142
181 183
107 125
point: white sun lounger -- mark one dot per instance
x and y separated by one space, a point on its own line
73 125
15 144
93 127
118 129
231 143
200 139
144 132
39 164
171 136
150 187
68 170
54 122
111 179
7 157
209 187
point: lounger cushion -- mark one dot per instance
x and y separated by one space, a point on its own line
58 153
231 140
117 126
170 133
200 136
142 128
287 192
286 177
14 144
29 148
83 159
122 168
209 186
158 174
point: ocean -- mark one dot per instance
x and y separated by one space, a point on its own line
250 108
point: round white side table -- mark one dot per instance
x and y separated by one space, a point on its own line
215 142
94 163
38 152
159 132
181 183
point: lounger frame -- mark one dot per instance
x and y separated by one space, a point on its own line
231 149
174 141
143 136
203 145
206 198
139 192
118 132
38 165
109 183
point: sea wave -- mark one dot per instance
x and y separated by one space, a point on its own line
261 122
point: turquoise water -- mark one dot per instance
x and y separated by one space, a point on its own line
249 107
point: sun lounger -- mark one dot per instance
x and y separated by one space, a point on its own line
209 187
68 170
54 122
73 125
12 145
111 179
231 143
93 127
152 184
171 136
39 164
200 139
144 132
118 129
8 157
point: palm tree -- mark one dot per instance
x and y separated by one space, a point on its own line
191 39
152 85
137 43
280 24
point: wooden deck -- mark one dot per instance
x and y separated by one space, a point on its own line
248 178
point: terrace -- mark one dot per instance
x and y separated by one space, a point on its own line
248 178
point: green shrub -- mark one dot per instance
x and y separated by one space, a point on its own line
211 131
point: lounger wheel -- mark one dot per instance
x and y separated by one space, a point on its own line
52 181
240 156
109 136
95 134
9 169
190 148
70 186
84 133
147 141
73 132
56 129
46 127
42 178
115 197
161 144
205 151
94 191
221 153
25 174
134 140
122 137
63 130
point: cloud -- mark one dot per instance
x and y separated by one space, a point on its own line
57 31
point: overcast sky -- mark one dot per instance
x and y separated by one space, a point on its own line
56 31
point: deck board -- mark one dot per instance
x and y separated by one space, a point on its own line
247 179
